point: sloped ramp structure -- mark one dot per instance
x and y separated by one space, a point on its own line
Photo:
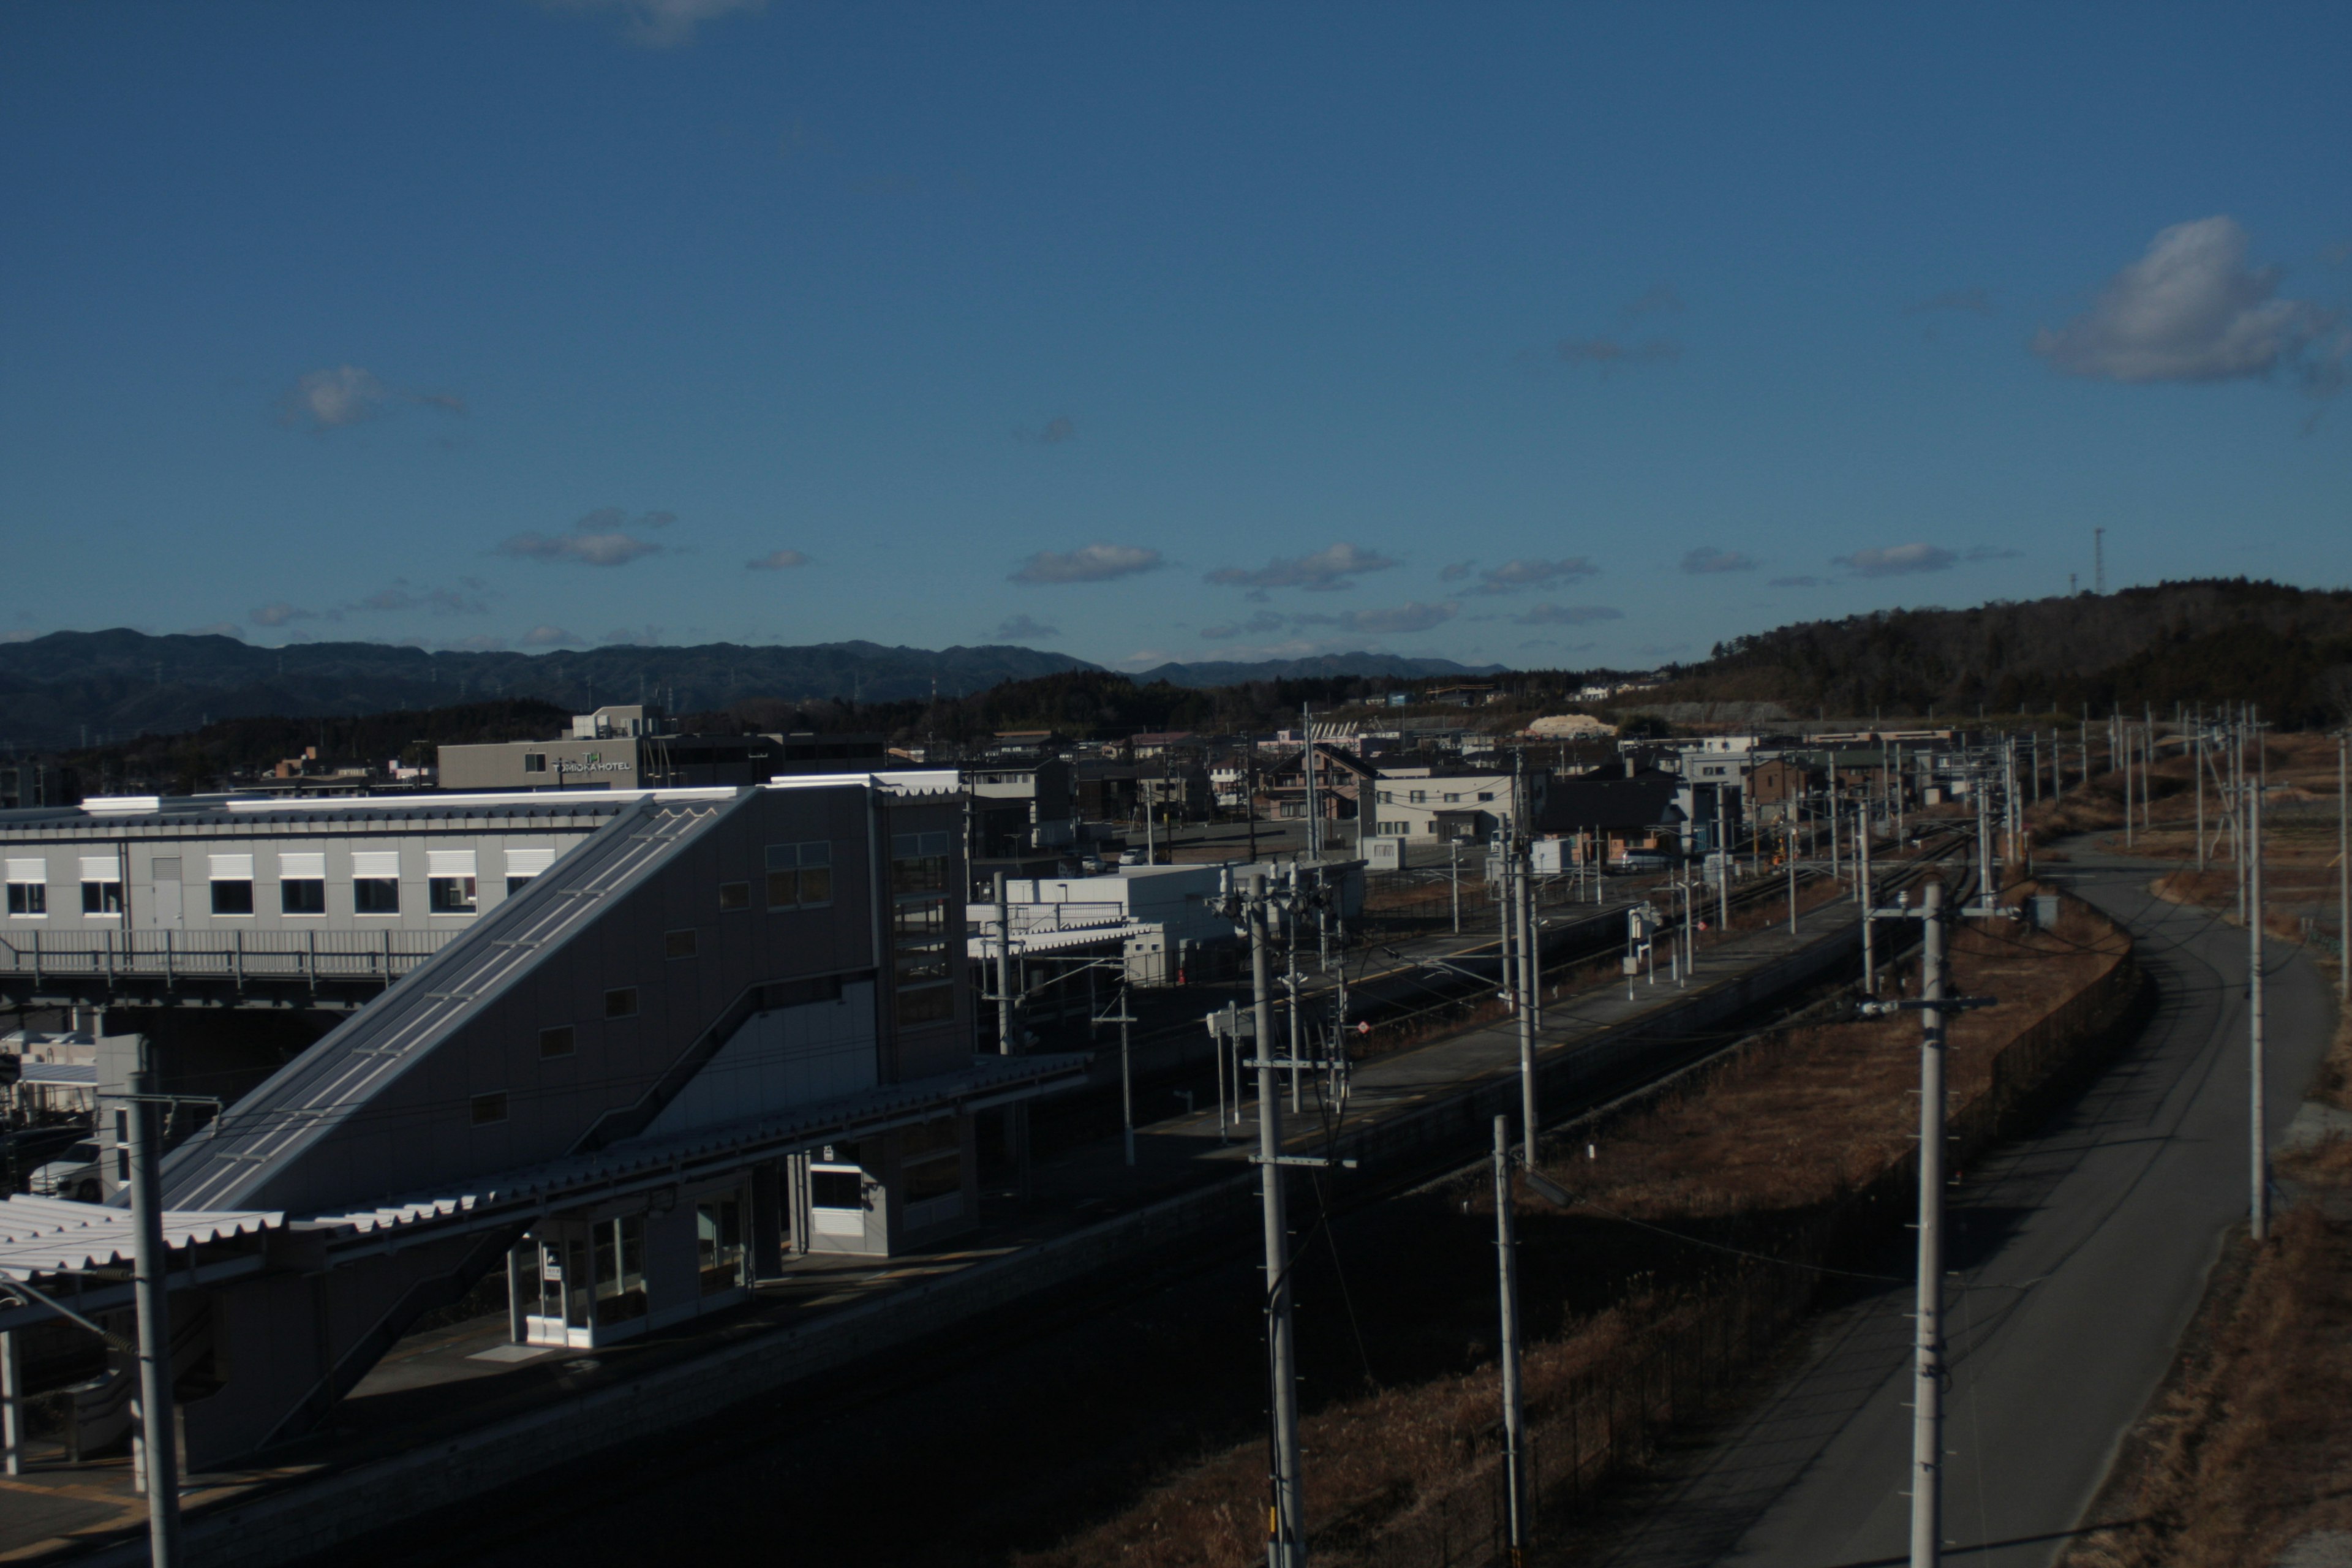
723 1029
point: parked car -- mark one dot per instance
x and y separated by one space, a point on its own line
1636 862
27 1149
77 1173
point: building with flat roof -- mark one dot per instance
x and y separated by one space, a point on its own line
720 1026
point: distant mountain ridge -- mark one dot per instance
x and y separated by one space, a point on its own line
1325 666
119 683
70 689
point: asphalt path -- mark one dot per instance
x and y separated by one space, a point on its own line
2077 1255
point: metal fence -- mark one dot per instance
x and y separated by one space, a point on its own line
232 956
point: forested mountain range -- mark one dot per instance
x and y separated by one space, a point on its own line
77 688
2288 651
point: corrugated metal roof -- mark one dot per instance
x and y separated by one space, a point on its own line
810 1124
60 1072
51 1236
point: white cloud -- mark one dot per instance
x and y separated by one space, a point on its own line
1326 569
1089 564
1023 628
1397 618
659 23
1454 572
281 613
1567 615
600 539
776 560
547 636
2191 310
330 399
1513 575
1897 560
1707 559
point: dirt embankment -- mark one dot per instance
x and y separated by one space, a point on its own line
1710 1209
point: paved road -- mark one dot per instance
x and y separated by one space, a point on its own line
2079 1254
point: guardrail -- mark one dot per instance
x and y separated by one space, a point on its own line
234 956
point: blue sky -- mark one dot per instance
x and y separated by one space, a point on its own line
1546 335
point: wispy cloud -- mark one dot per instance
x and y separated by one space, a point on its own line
659 23
1612 353
1567 615
1055 431
1707 560
603 538
346 394
1796 583
547 636
1336 566
1265 623
1455 570
1897 560
1087 564
1023 628
776 560
1396 619
1659 297
2191 310
466 600
1513 575
625 637
279 613
1975 301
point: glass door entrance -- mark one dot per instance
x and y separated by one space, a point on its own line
592 1281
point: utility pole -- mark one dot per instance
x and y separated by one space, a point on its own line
1126 1074
2198 767
1527 1123
1286 1519
1793 869
1004 970
2258 1207
160 1447
1454 854
1862 858
1514 1413
1530 935
1927 1350
2343 870
1314 819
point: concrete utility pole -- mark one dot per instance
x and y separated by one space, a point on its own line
1454 856
1286 1518
1004 970
2197 766
1314 819
1126 1075
1862 861
1530 936
1526 1008
2258 1164
1928 1358
159 1445
1514 1413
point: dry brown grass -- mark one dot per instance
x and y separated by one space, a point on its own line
1817 1116
2251 1445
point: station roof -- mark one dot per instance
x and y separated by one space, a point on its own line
52 1236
